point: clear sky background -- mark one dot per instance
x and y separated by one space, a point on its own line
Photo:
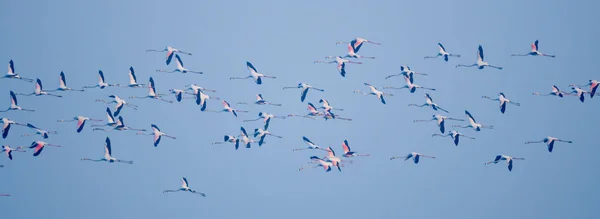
283 38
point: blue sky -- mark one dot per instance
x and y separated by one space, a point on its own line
283 39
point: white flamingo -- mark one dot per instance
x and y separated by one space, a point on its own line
407 73
555 92
108 155
227 108
180 67
80 121
579 93
101 83
253 74
341 63
429 103
7 124
410 86
473 124
261 101
185 188
244 139
442 53
157 135
266 117
39 131
322 163
480 61
110 120
454 135
11 74
549 142
441 120
357 42
63 84
152 94
375 92
534 51
304 90
261 134
119 126
503 100
14 104
327 106
227 139
312 112
120 103
39 90
201 98
133 79
170 52
311 145
508 159
195 88
414 155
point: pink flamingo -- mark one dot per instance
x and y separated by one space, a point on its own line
534 51
38 146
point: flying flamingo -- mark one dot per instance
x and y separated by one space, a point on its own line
442 53
352 50
8 150
180 67
480 61
6 127
375 92
110 122
311 145
101 84
350 153
261 134
120 103
593 84
178 94
503 100
39 131
261 101
358 42
201 98
312 112
429 103
534 51
253 74
555 92
63 84
227 139
39 90
186 188
454 135
152 94
244 139
329 115
549 142
133 79
120 126
39 146
322 163
227 108
14 104
410 86
508 159
170 51
414 155
326 106
406 72
305 87
341 63
10 74
441 120
266 117
80 121
579 92
107 155
157 134
335 161
195 88
473 124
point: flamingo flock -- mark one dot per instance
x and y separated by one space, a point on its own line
328 161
